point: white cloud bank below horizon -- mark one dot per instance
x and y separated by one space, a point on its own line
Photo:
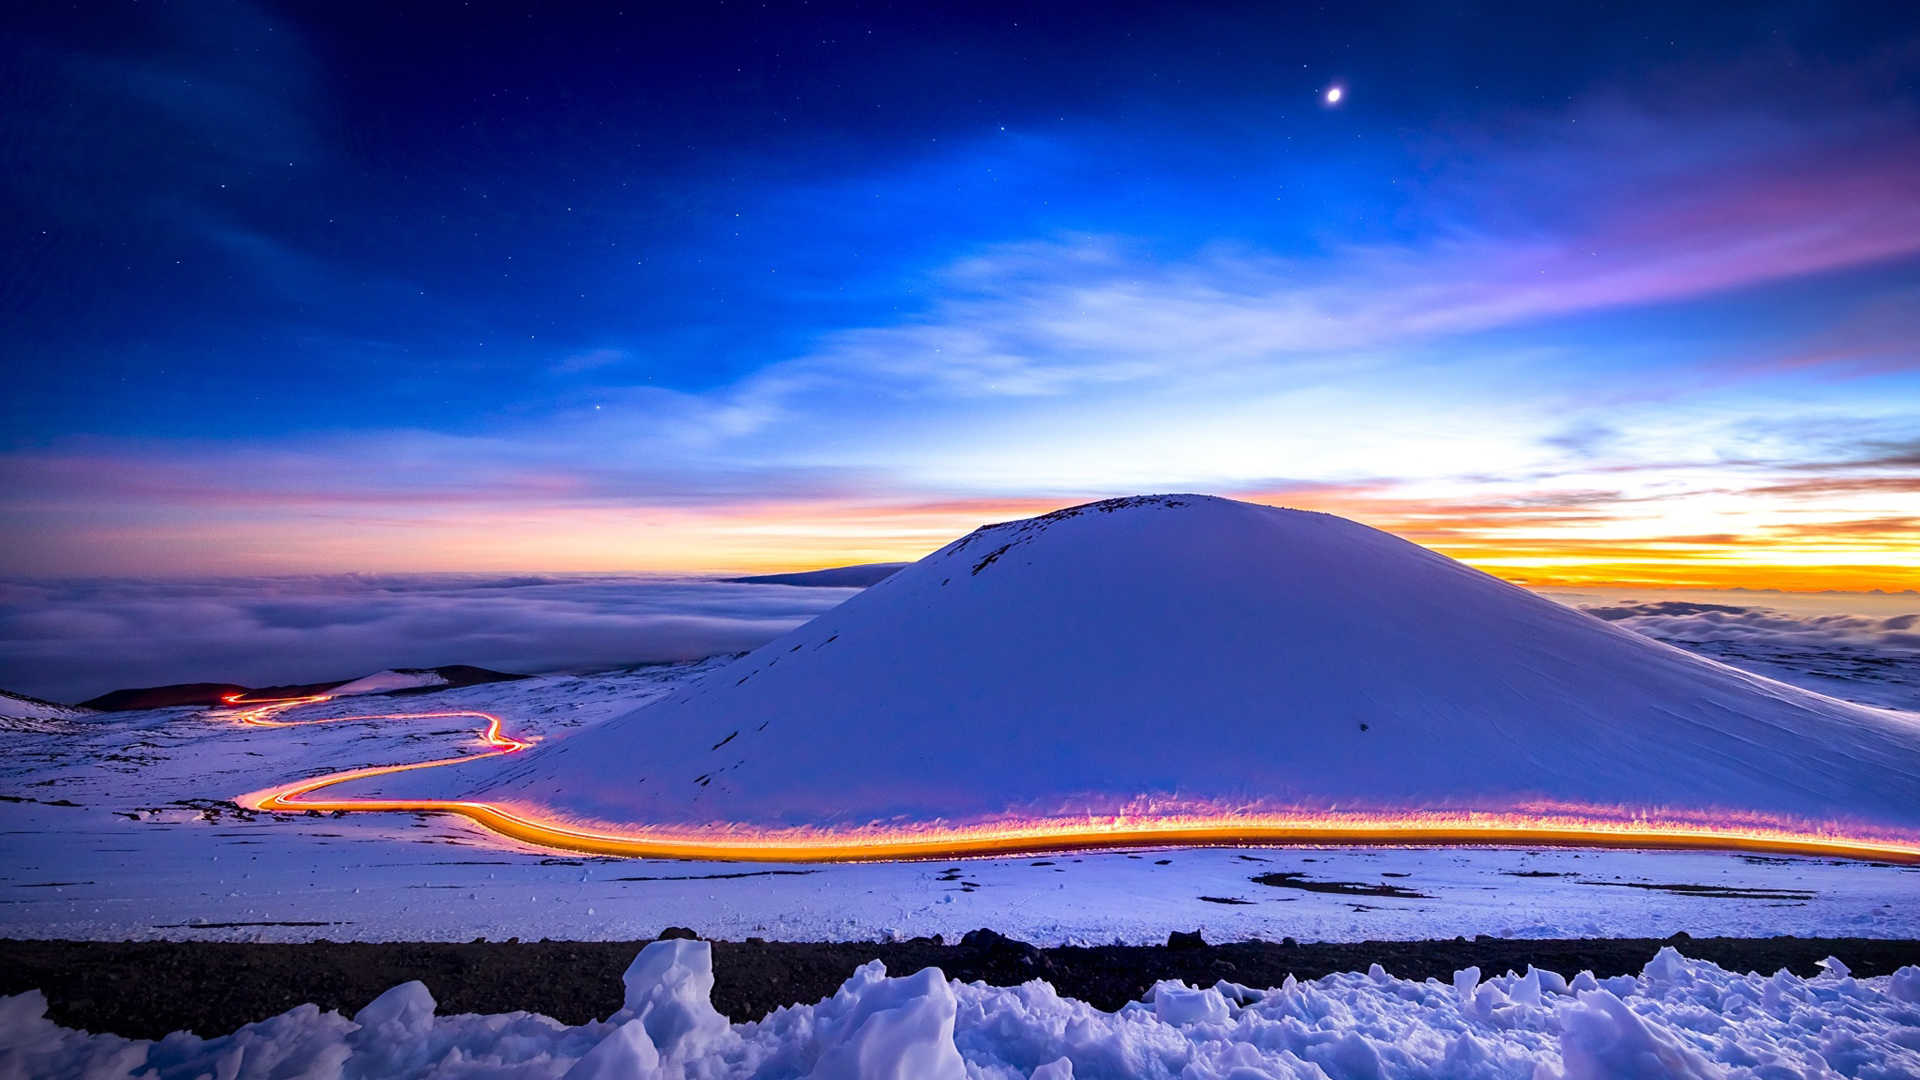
75 639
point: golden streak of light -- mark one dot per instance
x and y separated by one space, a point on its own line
1569 826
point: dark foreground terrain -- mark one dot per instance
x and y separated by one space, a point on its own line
146 989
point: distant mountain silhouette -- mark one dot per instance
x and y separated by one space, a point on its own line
838 577
208 694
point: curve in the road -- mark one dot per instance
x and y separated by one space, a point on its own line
1554 829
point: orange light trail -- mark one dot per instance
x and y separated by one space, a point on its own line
1558 827
268 708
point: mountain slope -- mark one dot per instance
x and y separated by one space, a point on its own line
1187 654
18 712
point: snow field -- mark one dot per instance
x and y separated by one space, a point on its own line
1679 1018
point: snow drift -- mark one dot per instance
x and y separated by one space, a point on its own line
18 712
1193 655
1679 1018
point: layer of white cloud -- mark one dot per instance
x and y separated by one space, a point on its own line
1692 621
72 640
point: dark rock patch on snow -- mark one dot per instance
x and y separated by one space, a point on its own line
211 987
1288 879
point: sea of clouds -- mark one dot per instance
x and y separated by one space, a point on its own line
69 640
1863 647
72 640
1687 620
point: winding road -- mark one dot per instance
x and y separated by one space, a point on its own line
530 825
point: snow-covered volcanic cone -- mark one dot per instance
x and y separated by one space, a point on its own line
1188 654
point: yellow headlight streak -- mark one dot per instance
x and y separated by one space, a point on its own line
1557 827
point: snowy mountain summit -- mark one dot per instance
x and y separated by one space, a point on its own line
1189 655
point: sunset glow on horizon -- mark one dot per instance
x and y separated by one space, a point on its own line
1591 317
1536 546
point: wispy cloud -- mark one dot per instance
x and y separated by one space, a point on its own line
1497 380
1047 317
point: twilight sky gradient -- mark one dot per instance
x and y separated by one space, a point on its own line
1626 296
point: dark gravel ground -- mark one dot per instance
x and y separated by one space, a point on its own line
146 989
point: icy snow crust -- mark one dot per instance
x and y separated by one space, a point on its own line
1191 654
1679 1019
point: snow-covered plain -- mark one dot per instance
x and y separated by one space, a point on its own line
121 831
1677 1019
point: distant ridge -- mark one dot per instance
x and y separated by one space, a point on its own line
178 694
860 576
175 694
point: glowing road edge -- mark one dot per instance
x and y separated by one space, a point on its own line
1549 828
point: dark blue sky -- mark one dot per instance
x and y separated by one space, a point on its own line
278 264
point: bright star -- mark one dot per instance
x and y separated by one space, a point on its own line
1334 94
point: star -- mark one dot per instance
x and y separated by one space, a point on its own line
1334 94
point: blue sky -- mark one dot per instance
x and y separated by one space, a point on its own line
1613 295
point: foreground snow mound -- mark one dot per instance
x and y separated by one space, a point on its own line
1185 653
670 994
878 1028
1679 1019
